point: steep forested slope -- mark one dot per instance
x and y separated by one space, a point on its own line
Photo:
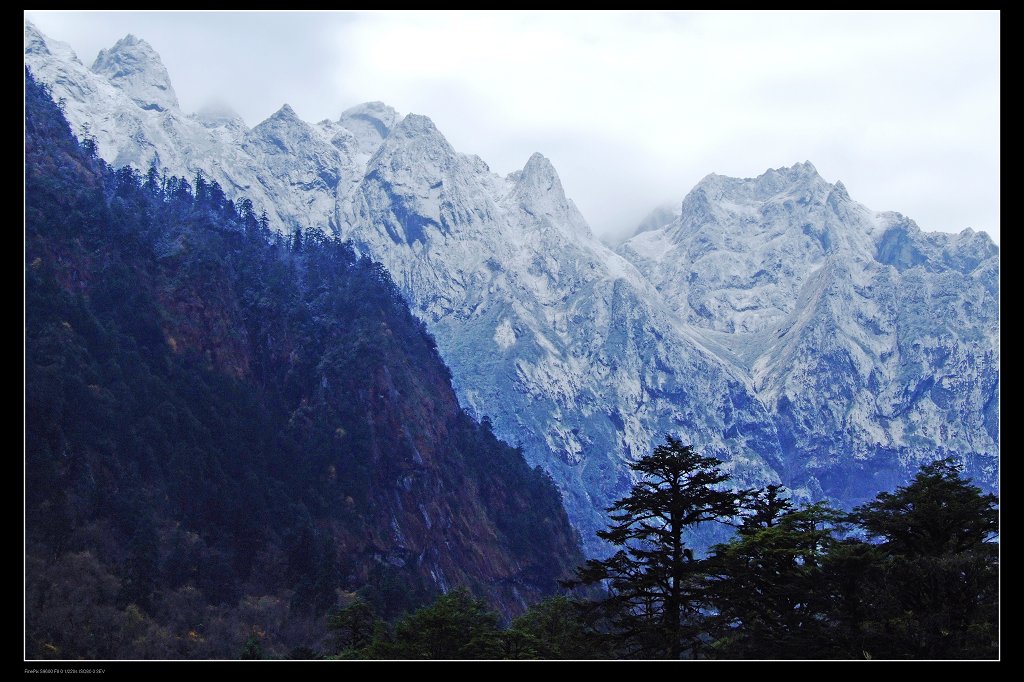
227 430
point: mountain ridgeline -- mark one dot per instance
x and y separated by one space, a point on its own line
772 322
228 431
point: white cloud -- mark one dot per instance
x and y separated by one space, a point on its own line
633 108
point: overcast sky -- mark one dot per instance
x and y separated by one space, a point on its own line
633 109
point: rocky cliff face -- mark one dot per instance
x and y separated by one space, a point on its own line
560 341
874 345
774 322
133 67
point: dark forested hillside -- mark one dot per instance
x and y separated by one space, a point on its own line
228 432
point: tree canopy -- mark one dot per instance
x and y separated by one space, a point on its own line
654 581
911 574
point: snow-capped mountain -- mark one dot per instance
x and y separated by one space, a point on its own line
133 67
126 103
560 341
874 345
772 322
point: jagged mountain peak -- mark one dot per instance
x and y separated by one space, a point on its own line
539 179
539 192
735 259
901 243
774 181
416 186
415 125
32 33
798 176
798 171
38 44
738 203
35 41
806 169
283 123
538 168
303 155
132 65
977 237
416 137
286 113
131 41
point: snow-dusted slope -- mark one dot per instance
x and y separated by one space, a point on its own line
772 322
127 105
875 345
560 341
133 67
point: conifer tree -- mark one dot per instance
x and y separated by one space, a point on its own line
655 582
932 590
768 590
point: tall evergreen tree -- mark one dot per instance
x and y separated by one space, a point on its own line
768 591
937 513
654 581
932 590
